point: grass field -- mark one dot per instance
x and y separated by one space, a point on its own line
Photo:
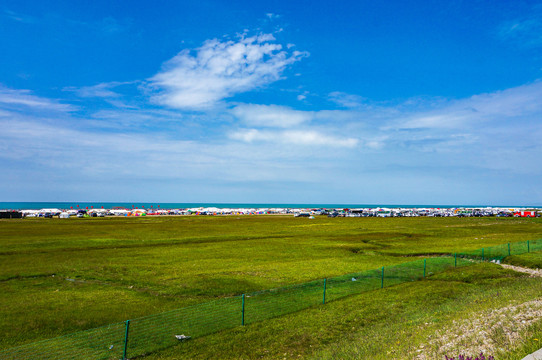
59 276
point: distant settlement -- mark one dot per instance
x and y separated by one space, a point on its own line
306 212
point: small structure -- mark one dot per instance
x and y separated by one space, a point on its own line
10 214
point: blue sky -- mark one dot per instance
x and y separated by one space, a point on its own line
356 102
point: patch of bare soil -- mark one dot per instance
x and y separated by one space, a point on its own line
532 272
488 332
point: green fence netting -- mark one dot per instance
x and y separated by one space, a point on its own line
341 286
266 304
155 332
137 337
106 342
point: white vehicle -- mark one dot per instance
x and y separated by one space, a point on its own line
30 213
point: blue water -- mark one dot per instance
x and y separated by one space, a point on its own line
146 205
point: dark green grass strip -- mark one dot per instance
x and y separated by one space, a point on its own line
105 342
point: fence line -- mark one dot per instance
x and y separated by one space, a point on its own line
141 336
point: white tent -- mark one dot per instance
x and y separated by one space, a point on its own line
50 211
30 213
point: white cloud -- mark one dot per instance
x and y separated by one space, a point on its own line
316 138
270 115
455 119
272 16
220 69
303 95
516 104
16 98
102 90
293 137
4 113
346 100
110 92
62 152
375 142
487 136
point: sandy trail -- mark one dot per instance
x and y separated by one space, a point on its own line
487 332
532 272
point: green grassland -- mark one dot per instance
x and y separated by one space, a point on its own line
58 276
384 324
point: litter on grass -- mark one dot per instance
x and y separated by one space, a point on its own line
182 337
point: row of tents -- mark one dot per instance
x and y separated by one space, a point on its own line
342 212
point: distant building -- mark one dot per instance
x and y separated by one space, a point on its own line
10 214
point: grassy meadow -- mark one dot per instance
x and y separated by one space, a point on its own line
58 276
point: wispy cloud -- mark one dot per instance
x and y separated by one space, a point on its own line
102 90
396 147
23 18
220 69
293 137
272 16
159 137
110 92
107 26
526 31
136 119
346 100
516 104
91 155
270 115
25 98
110 25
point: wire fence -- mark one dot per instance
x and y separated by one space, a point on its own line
141 336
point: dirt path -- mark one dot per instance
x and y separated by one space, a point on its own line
532 272
488 332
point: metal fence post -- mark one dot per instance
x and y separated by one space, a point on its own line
528 246
508 249
424 265
325 281
243 311
124 356
455 259
382 283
